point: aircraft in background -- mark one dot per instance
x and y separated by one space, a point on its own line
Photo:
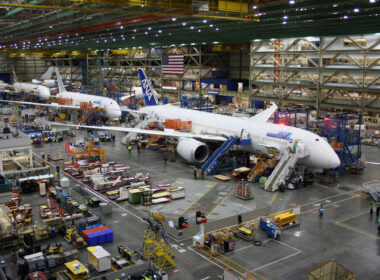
138 92
46 79
40 90
264 137
111 108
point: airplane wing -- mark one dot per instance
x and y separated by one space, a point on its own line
56 105
167 133
265 115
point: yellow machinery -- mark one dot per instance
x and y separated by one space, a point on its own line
75 270
245 233
285 219
73 237
92 151
53 249
156 248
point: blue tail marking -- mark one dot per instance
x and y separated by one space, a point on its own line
149 96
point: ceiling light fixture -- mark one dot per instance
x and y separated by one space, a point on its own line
356 10
292 2
184 23
174 19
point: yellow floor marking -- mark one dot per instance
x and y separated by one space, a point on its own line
340 223
192 204
274 197
224 198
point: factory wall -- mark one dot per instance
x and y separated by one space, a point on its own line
239 63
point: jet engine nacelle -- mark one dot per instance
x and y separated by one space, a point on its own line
192 150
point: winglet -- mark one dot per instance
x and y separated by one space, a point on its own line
148 93
61 87
48 73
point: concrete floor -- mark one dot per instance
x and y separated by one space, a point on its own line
346 233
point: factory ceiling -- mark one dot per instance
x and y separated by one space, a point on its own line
114 24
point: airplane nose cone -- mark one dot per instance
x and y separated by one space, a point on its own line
334 161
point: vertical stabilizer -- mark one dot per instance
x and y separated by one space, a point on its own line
61 87
14 75
148 93
48 73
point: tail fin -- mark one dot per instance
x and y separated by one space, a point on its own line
48 73
148 93
14 75
61 87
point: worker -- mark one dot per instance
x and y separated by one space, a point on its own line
203 174
321 209
377 209
165 159
138 147
372 207
195 173
129 148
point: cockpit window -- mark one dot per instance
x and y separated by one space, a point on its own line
316 139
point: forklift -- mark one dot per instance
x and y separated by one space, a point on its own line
53 249
73 237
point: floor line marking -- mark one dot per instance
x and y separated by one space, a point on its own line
291 247
357 230
274 197
279 260
195 201
240 249
206 278
212 211
352 217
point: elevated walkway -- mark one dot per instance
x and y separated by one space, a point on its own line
210 165
285 166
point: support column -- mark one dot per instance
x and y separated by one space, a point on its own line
31 157
1 162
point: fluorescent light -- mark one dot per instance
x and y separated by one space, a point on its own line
184 23
191 27
356 10
345 16
292 2
372 1
284 22
174 19
285 17
205 20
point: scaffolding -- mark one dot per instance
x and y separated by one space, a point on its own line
157 250
329 72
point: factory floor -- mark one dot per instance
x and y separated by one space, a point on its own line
347 233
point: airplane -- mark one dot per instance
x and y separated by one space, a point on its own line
46 79
40 90
205 126
112 110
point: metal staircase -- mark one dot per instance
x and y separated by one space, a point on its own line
156 247
210 165
285 166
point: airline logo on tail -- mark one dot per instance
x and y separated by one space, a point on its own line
149 96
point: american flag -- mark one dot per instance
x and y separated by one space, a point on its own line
172 64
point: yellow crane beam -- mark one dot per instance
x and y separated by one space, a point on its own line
179 13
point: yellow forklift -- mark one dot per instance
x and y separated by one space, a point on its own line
73 237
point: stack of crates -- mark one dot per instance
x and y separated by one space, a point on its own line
98 235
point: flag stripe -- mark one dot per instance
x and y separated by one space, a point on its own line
173 64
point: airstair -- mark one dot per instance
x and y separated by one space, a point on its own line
210 165
286 165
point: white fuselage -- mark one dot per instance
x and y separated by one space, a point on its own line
263 135
112 110
39 90
48 83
